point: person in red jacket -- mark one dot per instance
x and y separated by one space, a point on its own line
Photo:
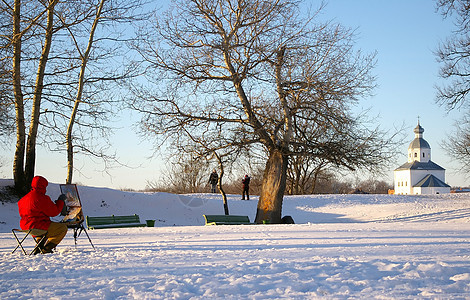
35 210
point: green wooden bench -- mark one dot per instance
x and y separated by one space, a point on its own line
113 222
226 220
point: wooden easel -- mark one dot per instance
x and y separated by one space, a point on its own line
74 218
77 230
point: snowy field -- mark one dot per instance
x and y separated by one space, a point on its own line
341 247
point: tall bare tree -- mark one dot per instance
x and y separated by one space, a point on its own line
97 34
454 56
258 72
84 56
457 144
7 114
7 119
76 64
22 27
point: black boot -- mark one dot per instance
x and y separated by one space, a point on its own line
49 247
39 247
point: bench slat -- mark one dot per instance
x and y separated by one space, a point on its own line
226 220
126 219
100 220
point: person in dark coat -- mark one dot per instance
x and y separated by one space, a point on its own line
35 210
213 179
246 187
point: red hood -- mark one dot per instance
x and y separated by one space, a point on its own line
39 184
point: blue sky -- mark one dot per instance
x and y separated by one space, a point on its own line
404 33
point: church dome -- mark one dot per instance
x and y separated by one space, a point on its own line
419 142
418 129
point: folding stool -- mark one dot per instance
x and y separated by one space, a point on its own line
38 233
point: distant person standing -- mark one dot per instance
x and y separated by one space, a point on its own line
246 187
213 179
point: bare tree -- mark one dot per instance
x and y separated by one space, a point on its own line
374 186
303 173
225 157
458 144
7 119
184 173
23 27
84 56
61 41
7 114
208 149
259 73
101 12
454 56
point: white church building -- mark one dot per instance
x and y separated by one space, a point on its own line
420 175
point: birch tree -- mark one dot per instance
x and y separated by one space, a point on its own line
24 25
74 64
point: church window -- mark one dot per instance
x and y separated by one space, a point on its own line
416 154
423 154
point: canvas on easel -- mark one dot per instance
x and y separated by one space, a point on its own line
74 206
74 216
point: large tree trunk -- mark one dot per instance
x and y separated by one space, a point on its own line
18 163
33 127
273 188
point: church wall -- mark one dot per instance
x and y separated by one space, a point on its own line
402 182
421 155
431 190
417 175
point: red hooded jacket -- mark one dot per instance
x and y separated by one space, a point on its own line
36 207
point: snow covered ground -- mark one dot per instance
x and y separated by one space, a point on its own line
341 247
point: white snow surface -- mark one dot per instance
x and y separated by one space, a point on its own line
341 247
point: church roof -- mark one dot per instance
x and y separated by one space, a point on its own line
431 181
419 143
416 165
